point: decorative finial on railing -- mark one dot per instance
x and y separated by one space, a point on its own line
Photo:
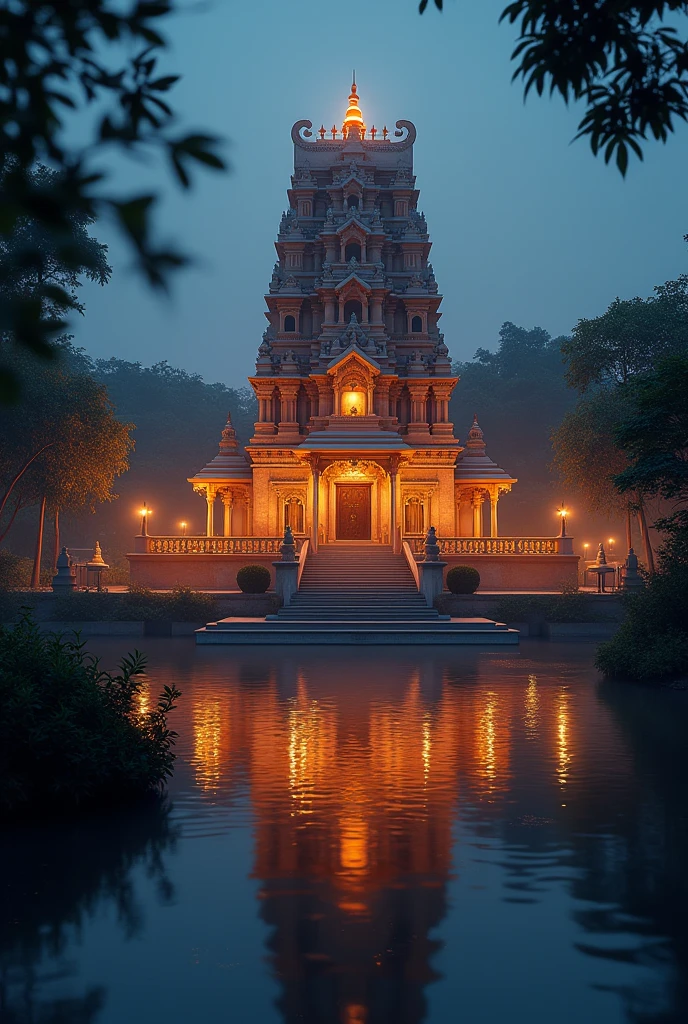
321 131
385 133
432 548
288 546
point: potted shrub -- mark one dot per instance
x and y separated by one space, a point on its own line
253 579
463 579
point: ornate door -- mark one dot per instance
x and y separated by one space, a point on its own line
353 511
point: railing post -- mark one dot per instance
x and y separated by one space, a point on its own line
431 570
287 569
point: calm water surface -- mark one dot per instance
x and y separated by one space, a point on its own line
375 837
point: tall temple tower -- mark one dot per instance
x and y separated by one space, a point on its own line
353 377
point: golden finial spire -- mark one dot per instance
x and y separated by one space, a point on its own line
353 117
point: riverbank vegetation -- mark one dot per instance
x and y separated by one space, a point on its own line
653 640
72 734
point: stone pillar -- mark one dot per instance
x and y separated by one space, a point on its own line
288 425
442 392
393 507
329 309
228 503
418 424
341 310
265 424
315 501
209 522
364 311
248 516
477 514
382 399
376 313
494 498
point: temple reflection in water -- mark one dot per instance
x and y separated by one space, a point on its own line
358 791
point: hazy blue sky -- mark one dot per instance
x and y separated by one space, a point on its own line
526 227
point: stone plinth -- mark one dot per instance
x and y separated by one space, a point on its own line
199 571
520 572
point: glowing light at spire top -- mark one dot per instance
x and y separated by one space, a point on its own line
353 117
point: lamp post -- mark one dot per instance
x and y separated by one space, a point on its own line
611 547
183 526
563 512
144 513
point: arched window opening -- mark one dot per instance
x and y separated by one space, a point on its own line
353 250
416 325
353 307
294 515
353 202
414 516
289 323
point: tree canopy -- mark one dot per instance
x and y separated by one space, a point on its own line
61 442
629 338
625 61
57 60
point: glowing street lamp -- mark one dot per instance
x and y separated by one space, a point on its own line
183 527
611 547
144 513
585 550
563 512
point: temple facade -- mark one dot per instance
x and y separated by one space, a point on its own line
353 442
353 377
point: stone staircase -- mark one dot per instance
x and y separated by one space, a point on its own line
357 594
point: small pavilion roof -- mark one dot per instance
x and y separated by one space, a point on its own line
475 464
359 440
230 464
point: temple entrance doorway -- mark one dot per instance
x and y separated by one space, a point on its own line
353 511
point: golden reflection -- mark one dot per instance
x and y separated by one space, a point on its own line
532 708
492 737
563 740
355 1014
207 731
353 844
427 747
311 742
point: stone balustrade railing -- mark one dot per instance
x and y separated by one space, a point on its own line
496 545
209 545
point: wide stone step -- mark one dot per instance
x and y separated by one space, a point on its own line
237 632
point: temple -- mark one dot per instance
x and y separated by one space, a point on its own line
353 378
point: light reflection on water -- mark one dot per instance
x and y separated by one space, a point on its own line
373 837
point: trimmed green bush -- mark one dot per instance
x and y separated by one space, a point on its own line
72 734
463 579
253 579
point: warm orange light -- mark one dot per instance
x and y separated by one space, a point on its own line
353 117
145 511
353 403
563 512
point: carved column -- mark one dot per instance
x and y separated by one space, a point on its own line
264 393
210 499
418 422
315 502
329 309
288 427
228 503
393 472
494 498
442 392
382 398
477 504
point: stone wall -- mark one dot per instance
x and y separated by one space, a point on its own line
521 572
200 572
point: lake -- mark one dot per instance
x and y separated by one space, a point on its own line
383 836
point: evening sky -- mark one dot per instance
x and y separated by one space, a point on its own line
526 227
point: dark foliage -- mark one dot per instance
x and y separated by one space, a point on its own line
138 605
652 643
72 734
57 60
620 58
462 579
655 436
253 579
574 607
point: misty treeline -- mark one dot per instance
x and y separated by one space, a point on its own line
519 395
